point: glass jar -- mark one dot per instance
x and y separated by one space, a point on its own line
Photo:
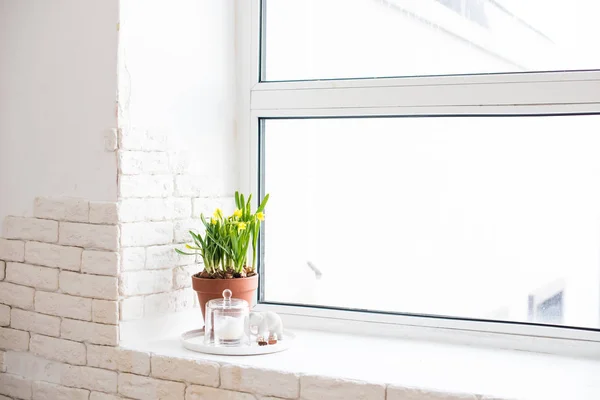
227 322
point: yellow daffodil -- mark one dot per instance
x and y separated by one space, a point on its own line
218 213
260 215
241 226
237 213
213 221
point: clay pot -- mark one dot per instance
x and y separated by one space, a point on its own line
209 289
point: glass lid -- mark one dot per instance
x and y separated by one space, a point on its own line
227 302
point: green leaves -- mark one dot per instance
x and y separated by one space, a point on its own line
226 240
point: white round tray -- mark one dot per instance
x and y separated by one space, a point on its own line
194 340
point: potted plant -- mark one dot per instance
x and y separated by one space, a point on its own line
224 249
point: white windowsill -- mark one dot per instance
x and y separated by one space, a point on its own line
433 366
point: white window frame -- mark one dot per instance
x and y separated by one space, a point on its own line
495 94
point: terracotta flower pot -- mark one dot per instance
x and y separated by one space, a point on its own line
209 289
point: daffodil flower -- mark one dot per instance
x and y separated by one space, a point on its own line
237 213
241 226
260 215
213 221
218 213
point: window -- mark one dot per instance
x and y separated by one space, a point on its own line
429 162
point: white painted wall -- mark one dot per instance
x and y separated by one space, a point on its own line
58 80
177 75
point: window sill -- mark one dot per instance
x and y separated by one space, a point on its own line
404 363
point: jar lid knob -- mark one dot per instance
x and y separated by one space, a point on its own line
227 296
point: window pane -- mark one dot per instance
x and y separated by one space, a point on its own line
325 39
476 217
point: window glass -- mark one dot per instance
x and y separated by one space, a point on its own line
473 217
326 39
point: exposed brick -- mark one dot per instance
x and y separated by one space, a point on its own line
178 369
34 367
100 262
208 205
317 387
182 276
61 209
49 391
99 287
4 315
63 305
104 213
146 233
32 275
41 230
140 139
143 162
102 237
182 229
104 396
58 349
263 382
15 386
169 302
89 378
143 388
89 332
105 311
199 186
181 207
131 308
12 339
407 393
12 250
145 186
133 258
146 209
145 282
194 392
53 255
2 270
35 322
118 359
16 295
2 362
159 257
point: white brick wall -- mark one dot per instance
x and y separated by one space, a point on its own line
182 229
89 332
89 378
263 382
105 311
41 230
169 302
194 371
118 359
4 315
145 209
16 295
143 388
142 139
146 233
90 236
131 308
15 386
143 162
400 393
145 282
35 322
100 262
52 255
61 209
182 276
317 388
160 257
63 305
12 339
96 286
12 250
2 270
104 213
32 275
146 186
33 367
133 258
49 391
58 349
194 392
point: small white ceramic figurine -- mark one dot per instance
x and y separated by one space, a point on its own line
267 324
